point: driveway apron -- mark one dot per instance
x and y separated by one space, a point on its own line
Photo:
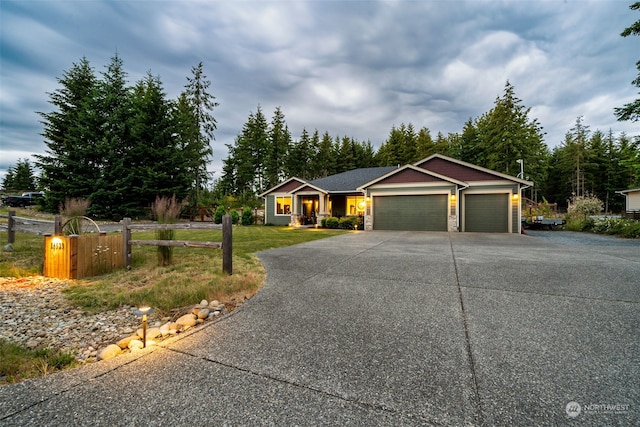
385 328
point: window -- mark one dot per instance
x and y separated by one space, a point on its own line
283 205
356 205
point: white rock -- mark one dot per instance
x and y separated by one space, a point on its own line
202 314
187 320
165 329
109 352
204 303
135 345
214 304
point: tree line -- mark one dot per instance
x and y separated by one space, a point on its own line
121 146
264 153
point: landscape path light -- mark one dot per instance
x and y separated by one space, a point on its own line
144 311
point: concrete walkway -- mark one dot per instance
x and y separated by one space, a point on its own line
386 328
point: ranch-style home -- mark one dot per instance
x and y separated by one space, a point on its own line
435 194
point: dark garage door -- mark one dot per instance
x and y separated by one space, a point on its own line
487 213
422 213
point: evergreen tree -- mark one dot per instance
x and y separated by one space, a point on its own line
506 134
72 163
20 177
631 111
196 141
425 144
277 149
325 160
114 142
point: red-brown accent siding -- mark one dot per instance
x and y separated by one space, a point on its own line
307 188
285 188
456 171
407 176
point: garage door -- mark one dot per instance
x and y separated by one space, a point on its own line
423 213
487 213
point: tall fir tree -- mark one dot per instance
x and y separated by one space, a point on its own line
72 162
197 141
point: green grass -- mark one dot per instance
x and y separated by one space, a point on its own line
17 363
195 274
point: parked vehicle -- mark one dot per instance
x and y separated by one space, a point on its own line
26 199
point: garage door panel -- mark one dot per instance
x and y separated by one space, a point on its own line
487 213
420 213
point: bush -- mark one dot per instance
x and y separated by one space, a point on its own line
235 217
583 206
247 216
220 212
331 222
350 222
616 226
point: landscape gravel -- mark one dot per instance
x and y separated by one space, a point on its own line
35 314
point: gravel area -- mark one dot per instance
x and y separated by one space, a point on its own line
34 313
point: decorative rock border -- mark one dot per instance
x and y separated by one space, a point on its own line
35 314
198 315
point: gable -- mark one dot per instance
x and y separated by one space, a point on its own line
456 170
408 176
286 186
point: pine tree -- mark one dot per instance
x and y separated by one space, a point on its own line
631 111
71 166
277 149
203 124
20 177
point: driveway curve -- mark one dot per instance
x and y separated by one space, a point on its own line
386 328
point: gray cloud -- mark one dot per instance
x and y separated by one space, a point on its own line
351 68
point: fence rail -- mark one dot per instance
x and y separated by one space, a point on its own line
24 225
225 245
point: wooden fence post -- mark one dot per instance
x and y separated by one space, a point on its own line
126 238
11 233
227 227
57 225
73 253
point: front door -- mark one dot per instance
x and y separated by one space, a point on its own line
310 206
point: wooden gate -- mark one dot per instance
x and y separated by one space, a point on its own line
76 257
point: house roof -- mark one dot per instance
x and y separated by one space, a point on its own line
631 190
435 167
463 171
351 180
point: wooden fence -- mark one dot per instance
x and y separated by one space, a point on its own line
225 245
77 257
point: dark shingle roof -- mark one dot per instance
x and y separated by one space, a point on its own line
351 180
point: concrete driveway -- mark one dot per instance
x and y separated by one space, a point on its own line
386 328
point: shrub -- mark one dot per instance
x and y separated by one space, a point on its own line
235 216
616 226
583 206
217 217
332 222
247 216
350 222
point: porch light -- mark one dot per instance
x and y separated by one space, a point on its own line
144 311
453 197
516 196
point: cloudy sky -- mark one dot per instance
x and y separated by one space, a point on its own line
353 68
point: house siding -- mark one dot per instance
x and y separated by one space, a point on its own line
270 212
455 170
